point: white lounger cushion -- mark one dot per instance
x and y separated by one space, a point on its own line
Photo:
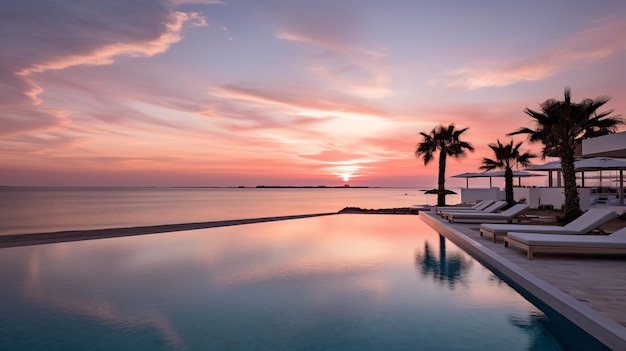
581 225
511 212
490 209
585 225
615 241
526 228
479 206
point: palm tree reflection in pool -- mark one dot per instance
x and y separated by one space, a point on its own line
544 333
446 269
536 326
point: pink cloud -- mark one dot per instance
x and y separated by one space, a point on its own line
106 54
584 48
338 59
336 156
198 2
302 98
17 120
88 35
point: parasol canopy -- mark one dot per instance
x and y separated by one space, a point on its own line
589 164
467 176
516 174
583 164
436 191
599 163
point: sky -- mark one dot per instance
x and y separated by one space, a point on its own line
265 92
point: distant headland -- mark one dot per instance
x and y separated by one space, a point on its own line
308 187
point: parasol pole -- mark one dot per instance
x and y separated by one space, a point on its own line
621 186
550 183
582 178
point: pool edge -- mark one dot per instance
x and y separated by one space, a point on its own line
15 240
606 330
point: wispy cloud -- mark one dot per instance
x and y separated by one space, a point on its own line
344 65
340 57
106 54
57 35
326 102
584 48
198 2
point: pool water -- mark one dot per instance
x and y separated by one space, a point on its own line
341 282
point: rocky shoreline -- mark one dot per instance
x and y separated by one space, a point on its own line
399 210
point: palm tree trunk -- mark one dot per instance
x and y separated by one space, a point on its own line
508 186
441 196
572 201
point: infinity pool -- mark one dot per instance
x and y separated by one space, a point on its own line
341 282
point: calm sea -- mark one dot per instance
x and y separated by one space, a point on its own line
37 209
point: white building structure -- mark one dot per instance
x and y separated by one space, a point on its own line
612 145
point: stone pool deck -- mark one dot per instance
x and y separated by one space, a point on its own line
588 290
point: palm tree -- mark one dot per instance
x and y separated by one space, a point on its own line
560 126
445 140
505 158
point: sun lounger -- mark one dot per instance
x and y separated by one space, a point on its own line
510 215
479 206
490 209
587 222
564 243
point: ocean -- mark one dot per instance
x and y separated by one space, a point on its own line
48 209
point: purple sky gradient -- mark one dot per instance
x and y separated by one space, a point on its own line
227 93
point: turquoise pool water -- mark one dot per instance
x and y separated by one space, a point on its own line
342 282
